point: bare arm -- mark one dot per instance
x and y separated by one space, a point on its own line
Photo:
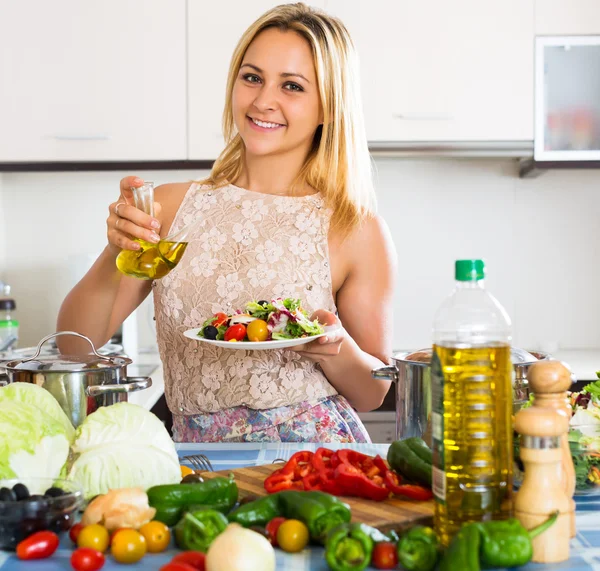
364 303
104 297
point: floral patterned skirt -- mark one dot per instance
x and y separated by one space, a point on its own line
329 420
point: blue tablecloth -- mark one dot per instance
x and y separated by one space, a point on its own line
585 548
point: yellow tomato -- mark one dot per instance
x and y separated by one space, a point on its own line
157 536
257 330
292 536
128 546
185 470
94 536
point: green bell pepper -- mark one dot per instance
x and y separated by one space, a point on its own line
411 458
258 512
171 500
463 552
349 547
418 549
318 510
196 530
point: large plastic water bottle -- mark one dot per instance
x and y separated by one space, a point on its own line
471 405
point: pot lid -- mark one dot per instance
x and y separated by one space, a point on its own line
67 363
517 355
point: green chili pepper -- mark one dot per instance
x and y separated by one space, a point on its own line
259 512
412 459
318 510
196 530
507 543
463 552
418 549
349 547
171 500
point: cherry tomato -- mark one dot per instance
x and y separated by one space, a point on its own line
236 332
128 546
272 528
94 536
74 531
39 545
292 536
86 559
174 566
115 531
384 555
157 536
220 319
195 559
257 330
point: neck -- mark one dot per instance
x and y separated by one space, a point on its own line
272 174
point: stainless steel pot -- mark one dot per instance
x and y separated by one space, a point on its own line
412 375
80 384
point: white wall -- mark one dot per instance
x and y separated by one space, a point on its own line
2 234
539 238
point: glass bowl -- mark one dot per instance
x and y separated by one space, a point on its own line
52 510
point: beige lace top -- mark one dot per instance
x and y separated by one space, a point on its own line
249 246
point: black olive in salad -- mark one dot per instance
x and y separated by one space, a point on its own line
210 332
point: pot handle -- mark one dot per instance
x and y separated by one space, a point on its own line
58 334
132 384
388 373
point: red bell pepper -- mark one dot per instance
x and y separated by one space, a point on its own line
411 491
291 475
358 475
279 481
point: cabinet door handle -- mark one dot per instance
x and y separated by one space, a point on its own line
81 137
416 116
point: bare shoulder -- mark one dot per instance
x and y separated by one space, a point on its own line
371 243
170 196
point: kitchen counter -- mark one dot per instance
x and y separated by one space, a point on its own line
585 548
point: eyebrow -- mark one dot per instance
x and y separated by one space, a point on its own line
285 74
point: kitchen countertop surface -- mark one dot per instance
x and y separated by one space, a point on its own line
585 547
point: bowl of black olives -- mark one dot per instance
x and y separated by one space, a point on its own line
36 504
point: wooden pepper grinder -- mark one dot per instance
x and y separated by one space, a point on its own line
549 381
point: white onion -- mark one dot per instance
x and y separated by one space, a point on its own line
240 549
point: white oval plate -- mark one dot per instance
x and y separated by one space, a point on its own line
257 345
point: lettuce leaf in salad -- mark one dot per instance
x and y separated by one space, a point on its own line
593 389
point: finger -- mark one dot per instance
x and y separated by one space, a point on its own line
123 210
128 182
325 317
125 226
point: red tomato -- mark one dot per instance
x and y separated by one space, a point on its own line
74 531
195 559
385 555
40 545
174 566
237 332
272 528
87 559
220 319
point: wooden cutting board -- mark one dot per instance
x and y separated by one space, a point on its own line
393 513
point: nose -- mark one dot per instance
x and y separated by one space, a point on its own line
266 99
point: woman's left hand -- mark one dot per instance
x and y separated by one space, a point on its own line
323 348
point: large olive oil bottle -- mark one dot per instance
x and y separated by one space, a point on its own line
471 405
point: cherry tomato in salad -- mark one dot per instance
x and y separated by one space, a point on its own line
272 528
86 559
236 332
220 319
385 555
257 330
74 531
195 559
39 545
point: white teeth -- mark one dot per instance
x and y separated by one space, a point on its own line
265 124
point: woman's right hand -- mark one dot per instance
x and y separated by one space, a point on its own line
126 222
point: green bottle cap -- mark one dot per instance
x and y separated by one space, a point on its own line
469 270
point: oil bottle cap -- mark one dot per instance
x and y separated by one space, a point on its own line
469 270
7 304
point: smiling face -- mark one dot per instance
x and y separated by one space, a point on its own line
276 103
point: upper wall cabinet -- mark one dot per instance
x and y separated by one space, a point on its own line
435 70
567 17
92 81
214 29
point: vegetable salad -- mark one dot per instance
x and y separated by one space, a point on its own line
262 321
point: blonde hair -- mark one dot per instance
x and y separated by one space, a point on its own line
338 164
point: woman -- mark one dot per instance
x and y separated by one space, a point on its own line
287 211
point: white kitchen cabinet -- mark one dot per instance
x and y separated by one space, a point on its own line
567 17
444 71
92 81
214 29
